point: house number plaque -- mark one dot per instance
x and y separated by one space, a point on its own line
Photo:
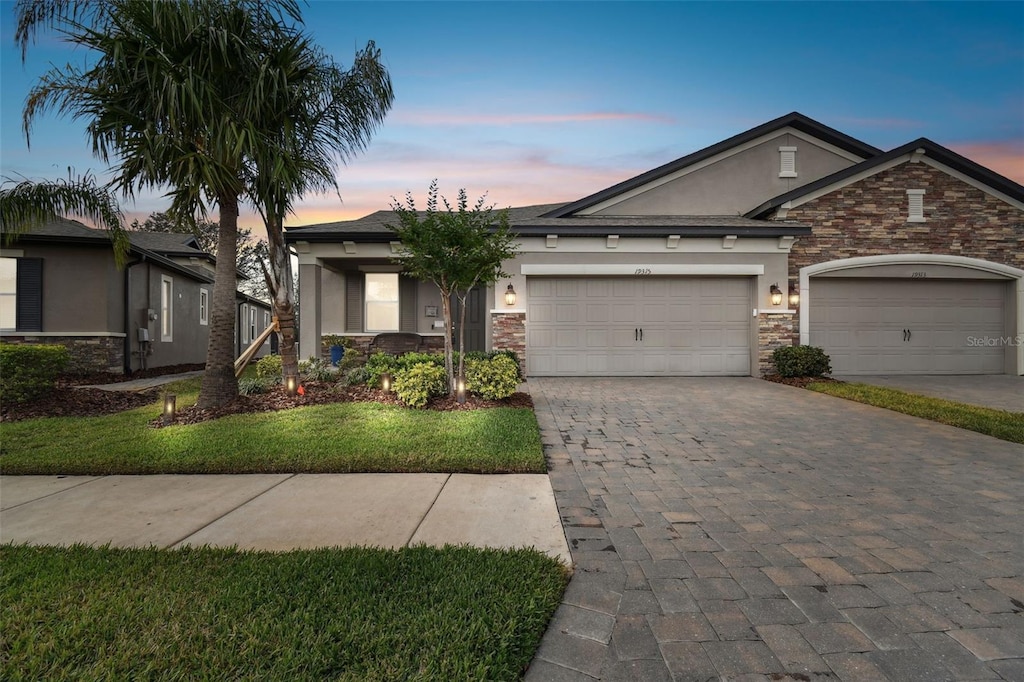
642 271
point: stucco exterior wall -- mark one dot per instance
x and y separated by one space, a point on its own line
735 184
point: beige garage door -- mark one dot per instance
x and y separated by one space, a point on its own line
883 326
647 326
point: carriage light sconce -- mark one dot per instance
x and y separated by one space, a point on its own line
460 391
776 294
794 297
385 382
510 296
169 407
291 385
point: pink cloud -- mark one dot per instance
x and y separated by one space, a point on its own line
1005 158
431 118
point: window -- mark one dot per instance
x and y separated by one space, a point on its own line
166 308
381 301
204 306
243 325
252 323
787 161
8 293
915 206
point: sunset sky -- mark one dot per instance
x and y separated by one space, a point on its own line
539 102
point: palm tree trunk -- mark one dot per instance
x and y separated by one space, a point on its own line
219 384
283 291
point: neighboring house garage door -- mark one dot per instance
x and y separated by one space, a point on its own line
899 326
644 326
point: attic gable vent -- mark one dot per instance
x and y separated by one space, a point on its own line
915 206
787 156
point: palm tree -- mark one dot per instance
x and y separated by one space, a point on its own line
319 115
25 204
173 95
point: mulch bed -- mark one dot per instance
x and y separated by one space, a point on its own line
319 393
67 400
800 382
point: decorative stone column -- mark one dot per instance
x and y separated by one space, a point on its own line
774 330
508 332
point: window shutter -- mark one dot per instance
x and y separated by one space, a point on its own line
29 317
406 303
353 301
787 159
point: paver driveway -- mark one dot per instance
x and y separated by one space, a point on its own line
737 529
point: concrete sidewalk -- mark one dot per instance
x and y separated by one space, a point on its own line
284 511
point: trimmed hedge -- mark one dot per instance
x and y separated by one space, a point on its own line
28 371
801 361
417 384
492 379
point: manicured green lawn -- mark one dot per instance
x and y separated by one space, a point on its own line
341 614
335 438
997 423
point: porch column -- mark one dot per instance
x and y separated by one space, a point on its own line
310 307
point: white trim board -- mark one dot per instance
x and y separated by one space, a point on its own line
642 269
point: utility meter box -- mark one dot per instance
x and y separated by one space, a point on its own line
143 335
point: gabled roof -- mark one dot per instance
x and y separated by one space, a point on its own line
533 221
72 232
932 150
793 120
167 243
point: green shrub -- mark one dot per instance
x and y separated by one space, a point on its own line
801 361
378 364
417 384
492 379
412 359
255 385
511 356
317 369
355 376
269 367
28 371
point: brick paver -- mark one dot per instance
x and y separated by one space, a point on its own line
731 528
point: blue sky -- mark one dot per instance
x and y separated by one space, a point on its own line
538 102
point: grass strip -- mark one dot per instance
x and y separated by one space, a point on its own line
1000 424
335 438
424 613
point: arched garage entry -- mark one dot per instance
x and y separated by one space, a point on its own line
914 314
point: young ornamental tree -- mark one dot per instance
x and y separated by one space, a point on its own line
456 249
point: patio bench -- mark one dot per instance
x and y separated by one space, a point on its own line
396 343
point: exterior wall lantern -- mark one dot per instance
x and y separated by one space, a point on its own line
169 407
291 385
385 382
794 297
776 294
510 296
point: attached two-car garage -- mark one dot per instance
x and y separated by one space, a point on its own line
638 326
910 326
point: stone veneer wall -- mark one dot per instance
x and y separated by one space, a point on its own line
869 218
88 353
508 332
774 330
361 343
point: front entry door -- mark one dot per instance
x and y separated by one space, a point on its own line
474 338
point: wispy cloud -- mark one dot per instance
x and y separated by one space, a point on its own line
435 118
1005 158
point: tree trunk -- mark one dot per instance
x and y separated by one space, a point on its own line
219 384
462 332
446 307
283 292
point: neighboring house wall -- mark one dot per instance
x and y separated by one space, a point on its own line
732 183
